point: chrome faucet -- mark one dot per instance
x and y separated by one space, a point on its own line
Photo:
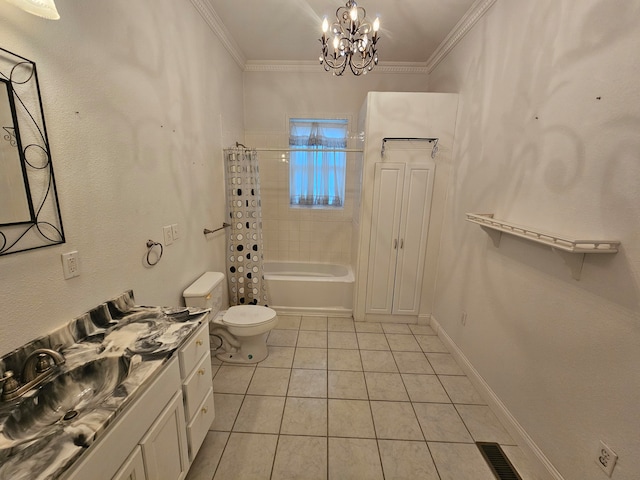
37 368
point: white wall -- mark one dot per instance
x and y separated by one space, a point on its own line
271 97
547 136
139 99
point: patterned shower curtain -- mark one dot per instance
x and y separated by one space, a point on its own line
245 270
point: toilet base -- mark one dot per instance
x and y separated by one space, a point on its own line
252 350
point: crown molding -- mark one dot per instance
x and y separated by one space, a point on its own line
215 23
475 12
315 67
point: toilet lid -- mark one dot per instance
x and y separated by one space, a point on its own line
245 315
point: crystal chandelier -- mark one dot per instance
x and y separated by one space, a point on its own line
353 41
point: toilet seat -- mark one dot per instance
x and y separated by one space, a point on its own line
248 315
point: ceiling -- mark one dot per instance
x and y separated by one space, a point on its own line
287 31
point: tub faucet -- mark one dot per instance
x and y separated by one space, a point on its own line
37 368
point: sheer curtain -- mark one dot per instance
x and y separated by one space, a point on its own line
245 267
316 176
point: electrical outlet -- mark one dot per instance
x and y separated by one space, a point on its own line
168 235
70 265
463 318
606 458
174 231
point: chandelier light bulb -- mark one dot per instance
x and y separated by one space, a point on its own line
354 12
336 42
325 25
376 24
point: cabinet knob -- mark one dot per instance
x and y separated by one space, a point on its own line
395 243
204 410
198 342
201 371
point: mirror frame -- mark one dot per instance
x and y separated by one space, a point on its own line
45 228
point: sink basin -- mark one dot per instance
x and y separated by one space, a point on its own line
65 397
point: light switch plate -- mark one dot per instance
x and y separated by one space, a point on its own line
168 235
175 232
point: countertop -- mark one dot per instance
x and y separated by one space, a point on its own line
118 360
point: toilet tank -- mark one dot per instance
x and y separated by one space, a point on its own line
206 292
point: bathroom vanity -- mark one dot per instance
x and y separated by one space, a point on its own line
133 399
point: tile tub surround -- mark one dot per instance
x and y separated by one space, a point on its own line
338 399
139 340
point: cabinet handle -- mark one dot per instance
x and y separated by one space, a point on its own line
402 243
198 342
201 371
395 243
204 410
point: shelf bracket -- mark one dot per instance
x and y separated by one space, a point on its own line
494 235
574 261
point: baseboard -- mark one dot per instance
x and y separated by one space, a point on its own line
540 462
313 311
424 319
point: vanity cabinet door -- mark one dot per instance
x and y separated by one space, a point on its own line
164 447
133 467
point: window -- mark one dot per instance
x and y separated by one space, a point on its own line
317 170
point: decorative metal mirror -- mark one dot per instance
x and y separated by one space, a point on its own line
29 209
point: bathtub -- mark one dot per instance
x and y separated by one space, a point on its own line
310 288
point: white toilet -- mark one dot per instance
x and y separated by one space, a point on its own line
244 328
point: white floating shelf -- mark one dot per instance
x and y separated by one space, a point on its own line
563 245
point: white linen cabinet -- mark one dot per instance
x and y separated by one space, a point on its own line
399 227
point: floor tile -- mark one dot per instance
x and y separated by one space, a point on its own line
412 362
350 418
406 460
305 416
345 340
312 339
424 388
444 364
308 383
457 461
260 414
269 381
403 343
282 338
206 461
461 390
300 457
314 323
372 341
520 462
430 343
369 327
386 386
337 324
396 328
378 361
354 458
315 358
280 357
344 360
347 385
288 322
232 379
483 424
395 421
441 423
247 455
422 330
226 407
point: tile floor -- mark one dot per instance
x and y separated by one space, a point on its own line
338 399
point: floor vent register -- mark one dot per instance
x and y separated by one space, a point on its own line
498 461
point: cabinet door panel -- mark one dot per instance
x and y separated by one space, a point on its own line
385 226
133 467
414 226
165 445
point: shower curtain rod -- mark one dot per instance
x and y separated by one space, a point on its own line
288 149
